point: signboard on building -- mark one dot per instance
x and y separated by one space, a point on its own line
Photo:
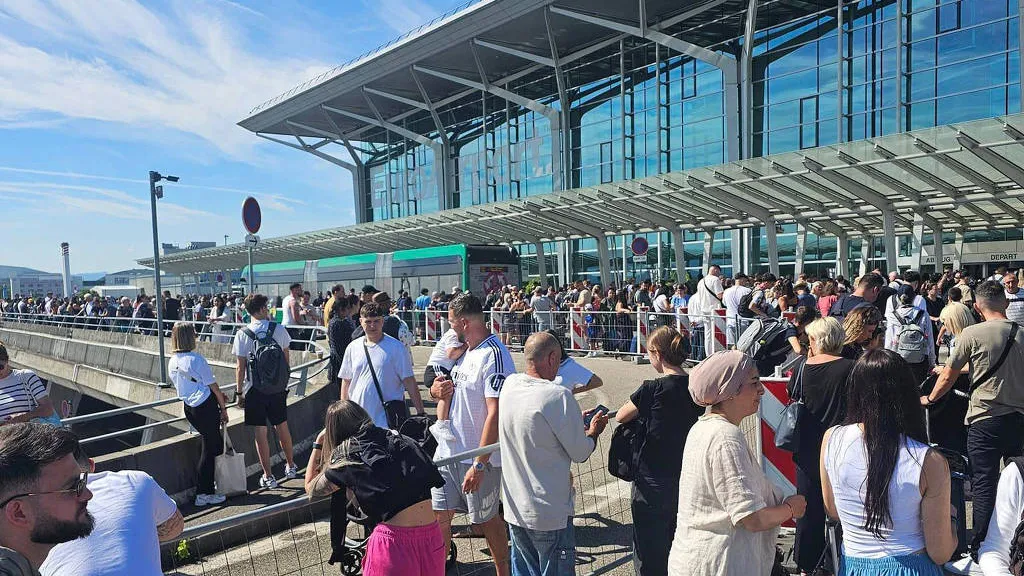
640 259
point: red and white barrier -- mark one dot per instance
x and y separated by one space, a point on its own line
577 330
682 320
497 320
643 327
715 338
777 463
432 324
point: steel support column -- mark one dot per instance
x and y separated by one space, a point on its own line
958 250
735 242
542 265
773 246
937 245
889 239
604 264
746 87
680 256
917 243
709 239
801 245
843 255
866 246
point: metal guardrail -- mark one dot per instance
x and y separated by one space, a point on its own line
298 386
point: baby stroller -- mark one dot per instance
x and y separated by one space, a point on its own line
948 414
417 428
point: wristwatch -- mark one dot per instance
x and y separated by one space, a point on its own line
479 466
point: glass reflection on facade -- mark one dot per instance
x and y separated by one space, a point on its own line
636 109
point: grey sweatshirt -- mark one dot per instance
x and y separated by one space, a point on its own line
13 563
540 427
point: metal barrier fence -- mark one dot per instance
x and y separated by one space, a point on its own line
297 384
595 333
308 336
602 520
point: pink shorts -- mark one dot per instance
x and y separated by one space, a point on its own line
417 551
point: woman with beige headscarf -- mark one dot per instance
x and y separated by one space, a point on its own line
729 513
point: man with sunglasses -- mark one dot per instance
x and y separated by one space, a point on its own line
43 495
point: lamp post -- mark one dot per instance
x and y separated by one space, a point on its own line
156 192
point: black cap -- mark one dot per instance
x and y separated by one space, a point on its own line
906 290
369 289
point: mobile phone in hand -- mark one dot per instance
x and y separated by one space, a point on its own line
600 409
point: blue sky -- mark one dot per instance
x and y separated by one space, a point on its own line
93 95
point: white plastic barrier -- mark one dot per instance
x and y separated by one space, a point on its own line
578 330
643 328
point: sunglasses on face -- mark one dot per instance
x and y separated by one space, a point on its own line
77 490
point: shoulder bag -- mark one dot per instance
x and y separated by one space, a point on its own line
396 411
999 363
787 435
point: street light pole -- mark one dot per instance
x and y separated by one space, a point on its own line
154 193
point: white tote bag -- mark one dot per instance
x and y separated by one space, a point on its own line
229 469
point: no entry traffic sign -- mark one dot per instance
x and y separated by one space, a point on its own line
252 216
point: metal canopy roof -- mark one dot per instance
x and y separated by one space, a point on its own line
961 177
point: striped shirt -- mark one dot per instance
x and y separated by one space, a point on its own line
479 374
1015 306
20 392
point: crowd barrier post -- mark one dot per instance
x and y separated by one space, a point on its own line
577 329
683 320
643 326
496 321
715 336
443 323
432 316
777 463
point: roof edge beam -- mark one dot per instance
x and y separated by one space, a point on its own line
317 153
527 103
992 158
397 98
442 133
523 54
656 36
383 124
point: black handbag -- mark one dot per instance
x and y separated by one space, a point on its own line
624 449
396 411
787 434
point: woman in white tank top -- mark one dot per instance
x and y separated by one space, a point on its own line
880 479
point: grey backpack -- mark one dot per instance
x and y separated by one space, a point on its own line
268 367
911 341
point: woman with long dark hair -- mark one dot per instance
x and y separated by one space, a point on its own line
890 491
390 477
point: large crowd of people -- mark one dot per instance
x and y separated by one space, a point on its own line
879 416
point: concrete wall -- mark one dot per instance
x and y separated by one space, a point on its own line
122 368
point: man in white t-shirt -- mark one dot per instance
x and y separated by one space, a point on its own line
1014 298
259 407
133 516
377 356
731 299
705 300
293 314
892 323
473 485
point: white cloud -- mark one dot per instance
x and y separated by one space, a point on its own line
403 15
188 70
91 199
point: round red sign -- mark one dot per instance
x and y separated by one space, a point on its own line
252 216
639 246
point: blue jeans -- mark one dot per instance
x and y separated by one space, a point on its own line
543 553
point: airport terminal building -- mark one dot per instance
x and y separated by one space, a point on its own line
821 136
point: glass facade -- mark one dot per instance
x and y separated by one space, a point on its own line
635 108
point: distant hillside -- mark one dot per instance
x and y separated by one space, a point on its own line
15 271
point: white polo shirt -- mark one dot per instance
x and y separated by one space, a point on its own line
479 374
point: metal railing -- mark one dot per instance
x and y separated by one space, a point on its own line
602 518
308 336
298 384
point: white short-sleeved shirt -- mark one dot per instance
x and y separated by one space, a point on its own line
479 374
573 374
1015 307
191 376
439 355
731 298
243 345
286 311
20 392
392 365
127 506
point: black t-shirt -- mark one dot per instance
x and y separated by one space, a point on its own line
852 351
391 473
124 311
824 395
845 304
669 411
172 309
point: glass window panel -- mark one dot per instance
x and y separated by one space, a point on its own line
827 77
783 115
972 105
703 132
948 17
921 54
964 44
801 58
792 86
974 73
784 140
922 85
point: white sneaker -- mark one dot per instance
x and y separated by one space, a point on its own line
592 354
207 499
442 431
268 482
965 565
291 472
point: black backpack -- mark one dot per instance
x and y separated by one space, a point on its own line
268 368
745 302
766 342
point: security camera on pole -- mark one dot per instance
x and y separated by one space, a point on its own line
252 217
156 192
